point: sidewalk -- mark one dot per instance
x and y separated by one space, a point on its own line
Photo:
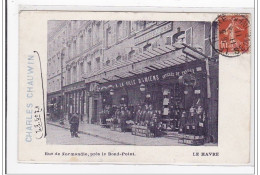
119 137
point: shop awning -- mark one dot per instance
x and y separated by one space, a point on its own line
150 60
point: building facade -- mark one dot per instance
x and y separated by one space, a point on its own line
92 64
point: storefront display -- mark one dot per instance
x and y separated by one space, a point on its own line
169 102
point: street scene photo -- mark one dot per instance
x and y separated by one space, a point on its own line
147 83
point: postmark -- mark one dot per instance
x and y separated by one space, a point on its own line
233 33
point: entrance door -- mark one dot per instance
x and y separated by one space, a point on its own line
95 111
90 109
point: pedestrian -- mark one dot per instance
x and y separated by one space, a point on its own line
74 125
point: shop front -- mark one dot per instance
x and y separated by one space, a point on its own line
75 100
173 100
169 91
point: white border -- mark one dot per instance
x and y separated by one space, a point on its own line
101 5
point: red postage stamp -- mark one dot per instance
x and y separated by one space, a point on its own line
234 35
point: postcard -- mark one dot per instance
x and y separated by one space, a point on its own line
135 87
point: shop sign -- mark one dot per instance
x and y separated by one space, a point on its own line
177 73
132 82
153 33
158 76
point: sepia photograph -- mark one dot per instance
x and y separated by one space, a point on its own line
146 83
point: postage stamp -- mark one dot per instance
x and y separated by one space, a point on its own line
233 34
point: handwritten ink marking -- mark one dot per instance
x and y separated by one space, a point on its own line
44 115
37 122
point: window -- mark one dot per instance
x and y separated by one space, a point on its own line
119 30
68 77
89 38
81 43
74 74
74 48
82 68
179 36
147 46
188 36
107 62
149 23
207 34
140 25
118 58
97 33
58 84
108 37
131 54
89 67
98 63
133 26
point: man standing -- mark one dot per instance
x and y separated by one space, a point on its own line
74 125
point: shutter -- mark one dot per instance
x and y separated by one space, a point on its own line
207 35
154 45
168 40
207 47
188 36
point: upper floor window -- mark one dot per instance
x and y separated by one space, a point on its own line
108 37
89 67
119 58
119 30
131 54
140 25
207 34
98 63
89 38
108 62
188 36
147 46
74 74
179 36
81 43
97 33
149 23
